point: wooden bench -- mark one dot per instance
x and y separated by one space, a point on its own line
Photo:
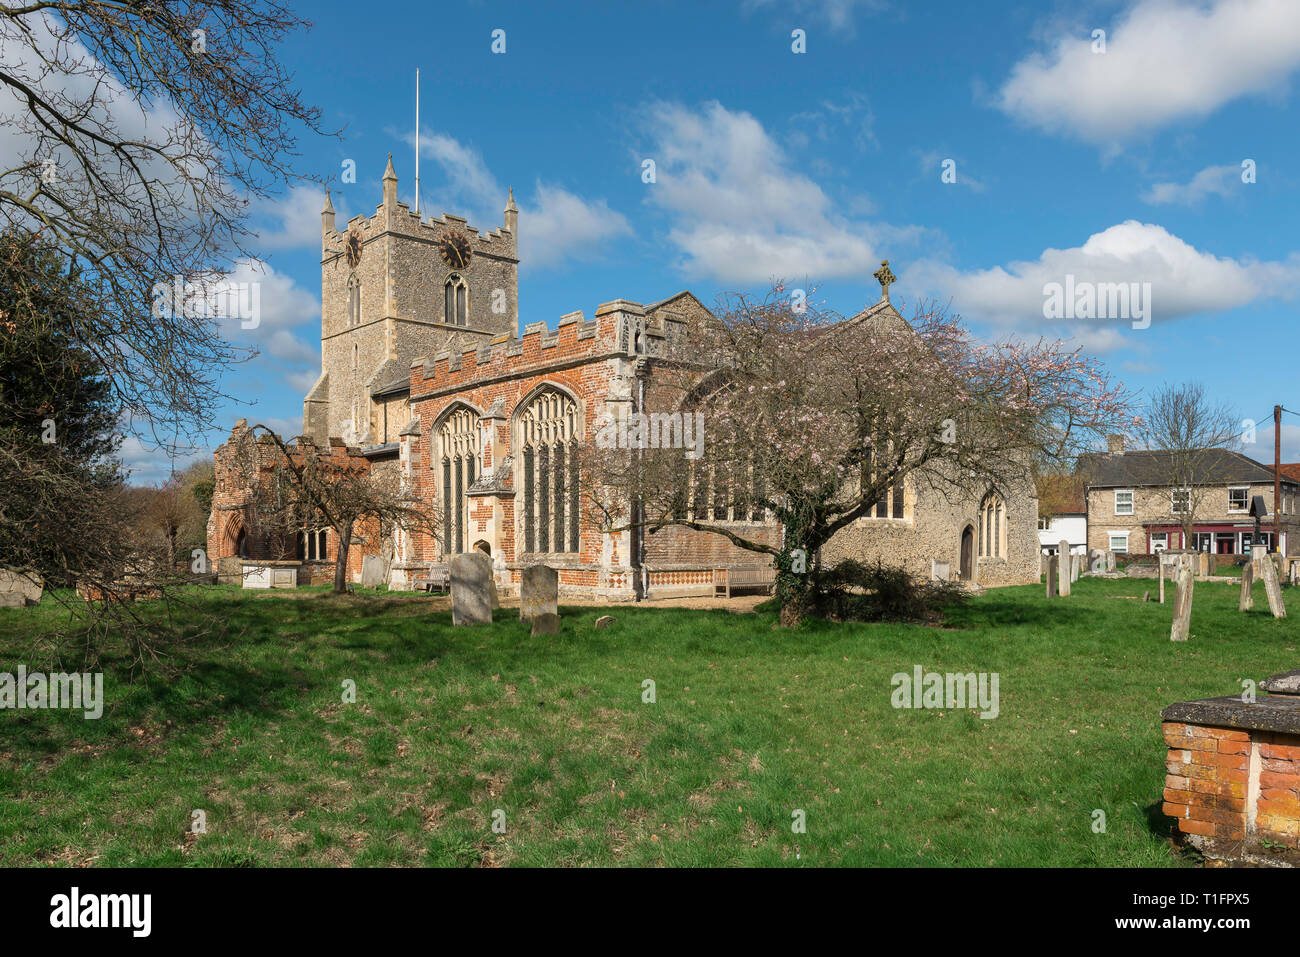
439 576
727 580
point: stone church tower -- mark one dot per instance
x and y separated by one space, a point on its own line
396 287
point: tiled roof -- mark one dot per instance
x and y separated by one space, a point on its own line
1154 468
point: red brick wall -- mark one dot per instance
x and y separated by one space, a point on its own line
1209 788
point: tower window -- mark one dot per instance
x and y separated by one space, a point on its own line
455 301
354 300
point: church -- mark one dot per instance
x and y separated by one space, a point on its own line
425 371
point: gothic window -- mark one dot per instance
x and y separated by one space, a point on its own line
455 302
456 460
548 443
890 501
313 545
993 527
354 300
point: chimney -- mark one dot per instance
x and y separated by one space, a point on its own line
1115 444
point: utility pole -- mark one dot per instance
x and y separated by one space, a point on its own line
1277 477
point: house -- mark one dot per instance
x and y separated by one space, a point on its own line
1062 514
1133 507
426 375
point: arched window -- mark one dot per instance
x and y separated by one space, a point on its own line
354 300
548 444
456 461
455 304
993 527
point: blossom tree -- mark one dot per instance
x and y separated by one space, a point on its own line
810 419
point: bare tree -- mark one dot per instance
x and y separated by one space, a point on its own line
140 131
812 420
1191 430
295 486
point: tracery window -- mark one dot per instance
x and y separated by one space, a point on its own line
455 301
456 459
549 506
993 527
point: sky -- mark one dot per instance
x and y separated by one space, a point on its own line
993 152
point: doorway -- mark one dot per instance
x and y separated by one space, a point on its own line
966 569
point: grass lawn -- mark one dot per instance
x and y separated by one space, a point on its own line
750 723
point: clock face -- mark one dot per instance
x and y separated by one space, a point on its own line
352 248
454 250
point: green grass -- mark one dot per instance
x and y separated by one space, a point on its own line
751 723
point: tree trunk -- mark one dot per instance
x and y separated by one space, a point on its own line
341 562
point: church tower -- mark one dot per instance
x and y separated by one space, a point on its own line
395 287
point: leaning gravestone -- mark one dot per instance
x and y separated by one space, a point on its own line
1053 574
1273 588
1076 563
1247 601
372 571
1063 568
18 590
546 623
472 589
1110 561
539 590
1182 603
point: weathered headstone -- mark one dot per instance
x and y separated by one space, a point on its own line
1247 601
1160 564
1076 565
539 590
604 621
1182 603
939 571
472 589
1044 565
546 623
1110 561
1063 569
372 571
1053 574
1273 589
18 590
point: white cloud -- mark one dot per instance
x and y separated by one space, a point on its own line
1213 180
739 212
555 226
1165 61
283 307
293 221
1184 280
1262 448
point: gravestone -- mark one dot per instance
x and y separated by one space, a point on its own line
939 571
1273 588
472 589
372 571
1247 601
546 623
604 621
539 590
18 590
1110 561
1063 569
1160 566
1182 603
1044 565
1076 563
1053 574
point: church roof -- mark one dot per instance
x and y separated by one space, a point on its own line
391 378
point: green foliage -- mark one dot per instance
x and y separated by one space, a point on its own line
853 591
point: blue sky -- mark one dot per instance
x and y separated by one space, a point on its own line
1122 165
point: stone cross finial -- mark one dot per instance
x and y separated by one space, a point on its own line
884 277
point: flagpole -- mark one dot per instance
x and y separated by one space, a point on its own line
417 141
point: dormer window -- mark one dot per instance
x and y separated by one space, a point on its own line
456 301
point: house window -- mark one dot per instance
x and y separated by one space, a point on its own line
456 461
1238 499
455 304
1159 542
1123 501
313 545
1180 501
354 300
1119 542
993 527
548 438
